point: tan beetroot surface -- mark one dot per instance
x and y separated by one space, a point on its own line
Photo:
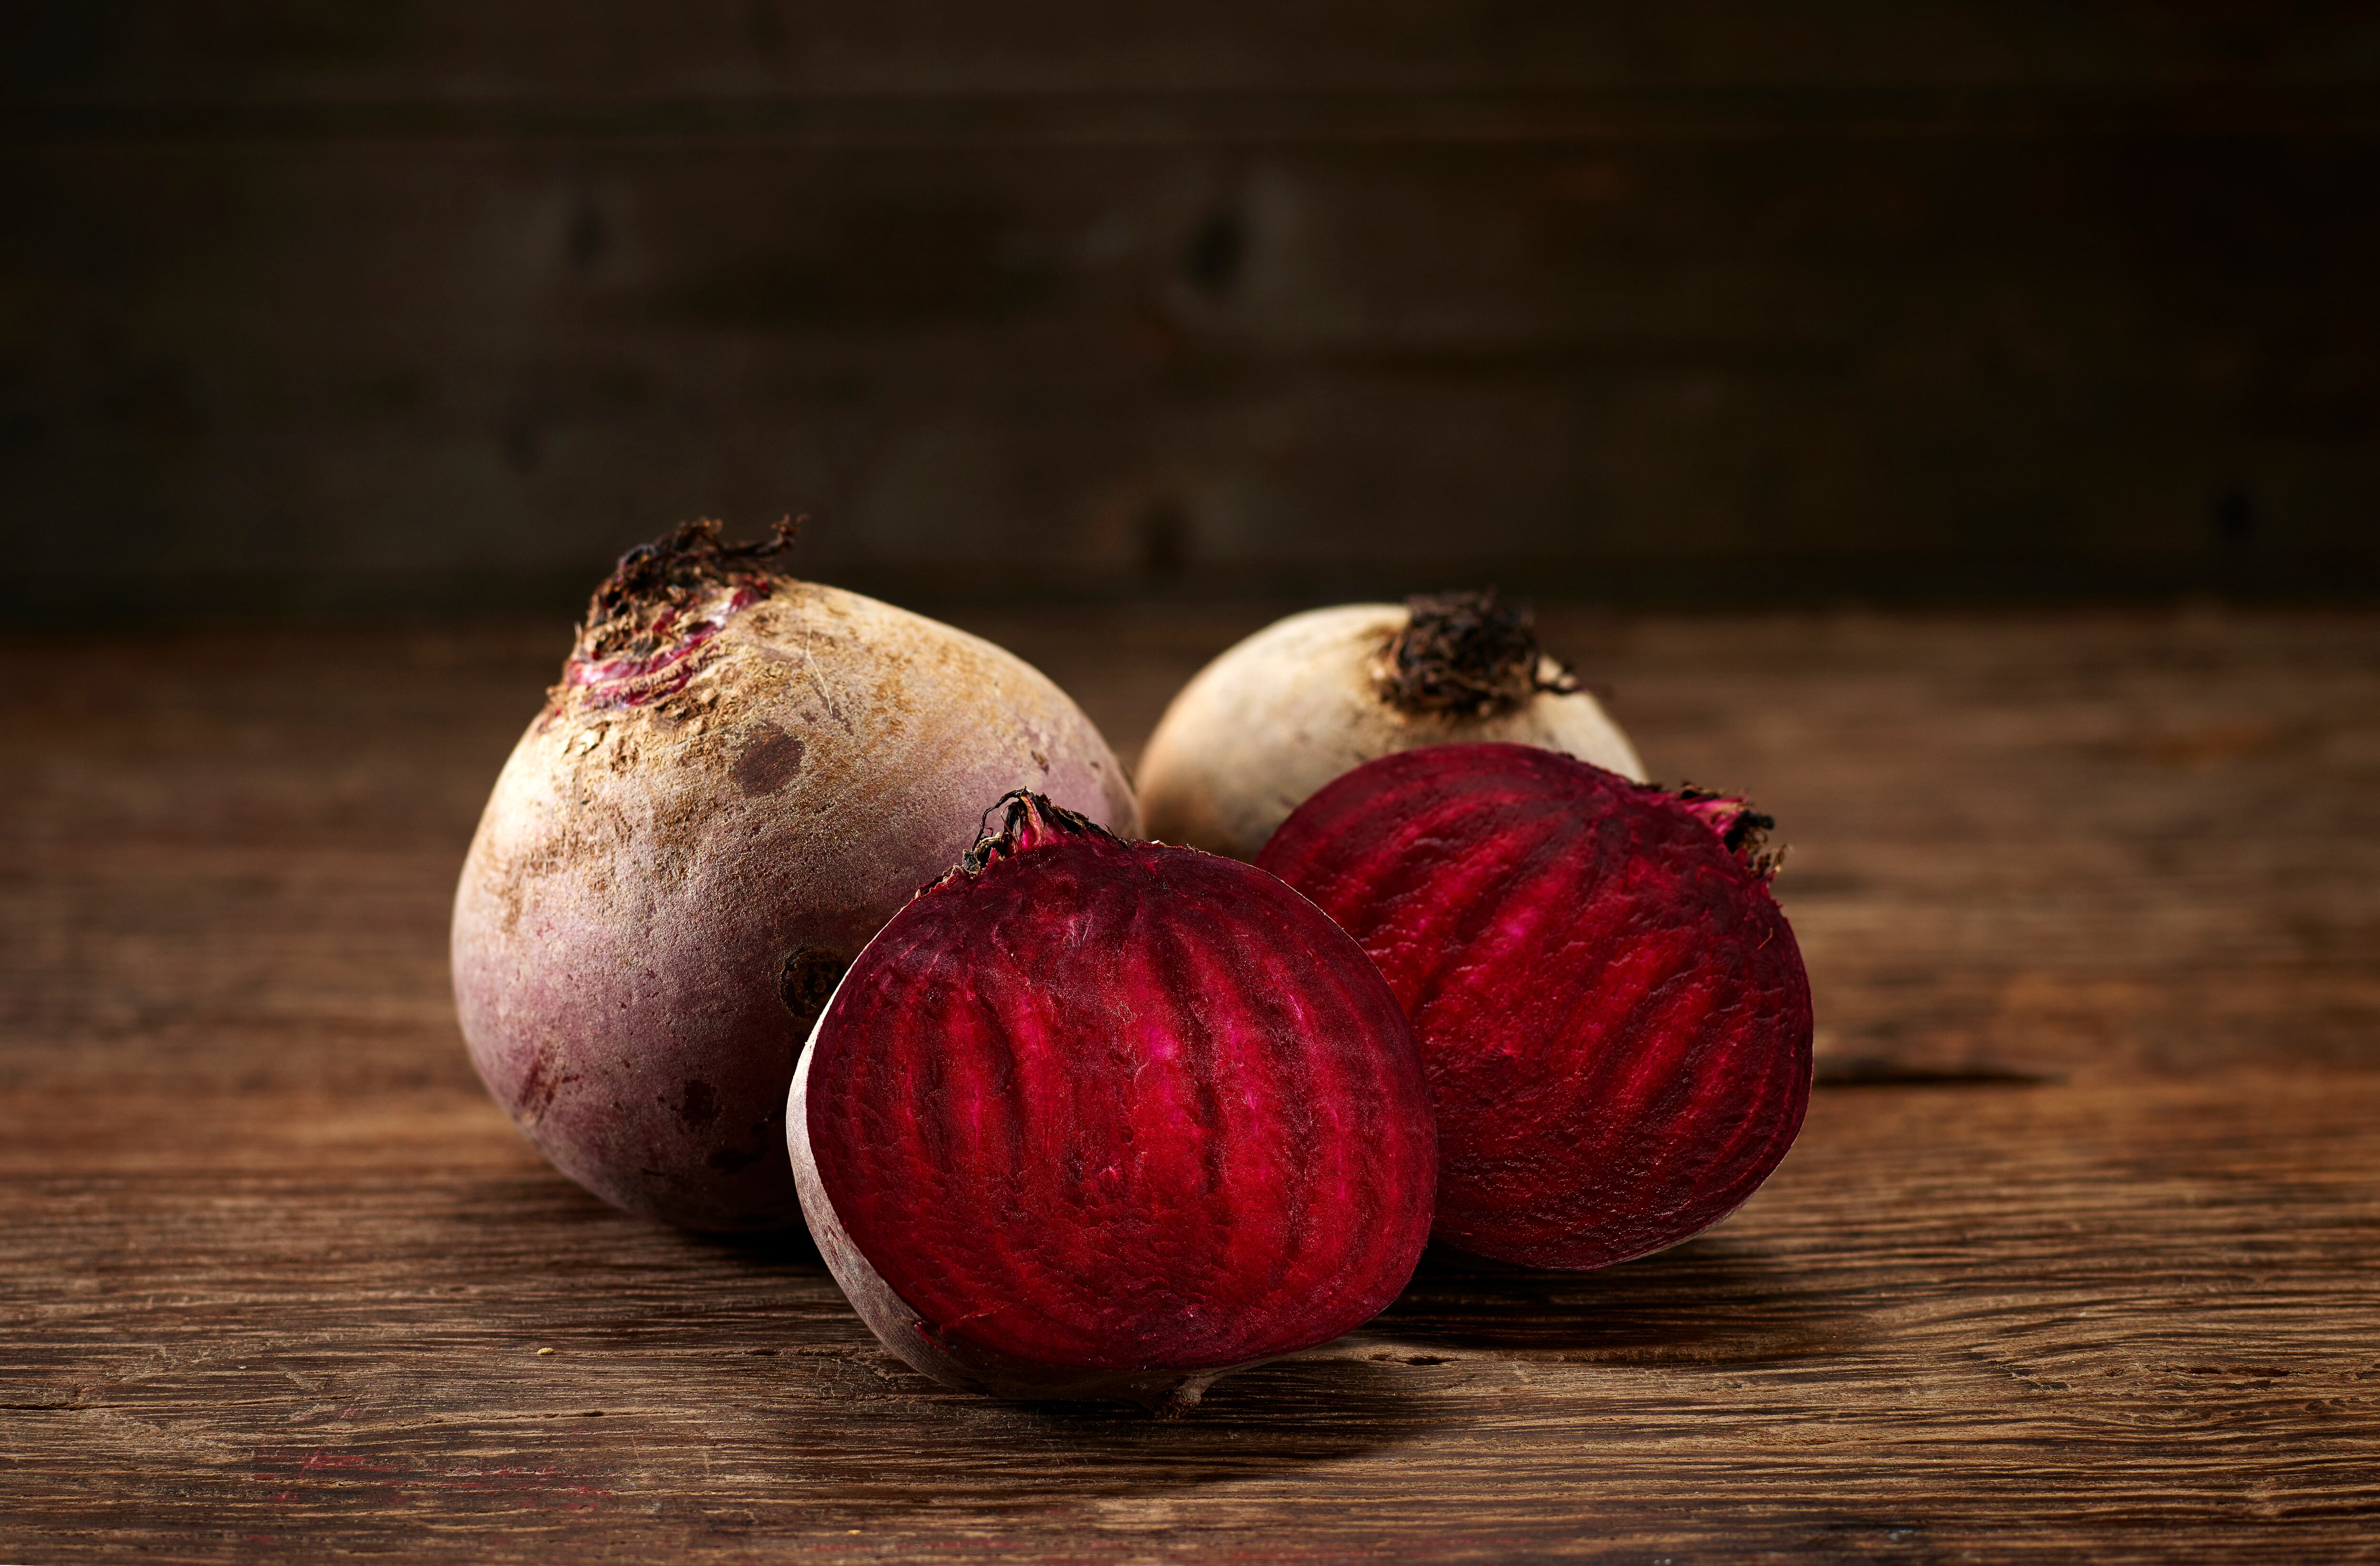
738 781
1091 1119
1281 714
1610 1005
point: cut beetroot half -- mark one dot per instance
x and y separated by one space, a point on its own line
1610 1003
1097 1119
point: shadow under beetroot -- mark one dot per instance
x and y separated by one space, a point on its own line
1290 1417
779 1248
747 1317
1710 1300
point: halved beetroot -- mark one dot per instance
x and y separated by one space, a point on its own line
1610 1005
1097 1119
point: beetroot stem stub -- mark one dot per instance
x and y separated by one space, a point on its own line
1099 1119
1027 821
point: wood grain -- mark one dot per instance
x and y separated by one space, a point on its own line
2086 1271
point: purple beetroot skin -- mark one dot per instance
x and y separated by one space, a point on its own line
1096 1119
740 777
1610 1003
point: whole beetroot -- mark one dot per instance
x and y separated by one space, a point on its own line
1275 717
740 777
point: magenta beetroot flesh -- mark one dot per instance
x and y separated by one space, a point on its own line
1610 1003
1097 1119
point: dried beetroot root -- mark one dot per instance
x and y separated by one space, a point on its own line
740 777
1094 1119
1610 1005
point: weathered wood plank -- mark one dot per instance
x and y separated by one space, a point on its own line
2153 1338
409 304
119 50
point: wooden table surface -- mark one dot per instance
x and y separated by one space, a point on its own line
2076 1258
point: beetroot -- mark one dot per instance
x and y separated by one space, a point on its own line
1278 716
738 781
1610 1005
1094 1119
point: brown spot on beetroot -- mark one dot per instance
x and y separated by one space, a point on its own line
768 761
698 1106
806 979
540 1082
727 1160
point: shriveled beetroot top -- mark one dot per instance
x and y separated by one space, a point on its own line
1610 1005
1123 1106
649 620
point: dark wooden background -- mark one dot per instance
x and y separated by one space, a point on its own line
2077 1259
310 305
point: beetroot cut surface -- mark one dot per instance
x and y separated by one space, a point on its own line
1610 1003
1099 1119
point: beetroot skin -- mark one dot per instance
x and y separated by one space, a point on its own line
740 777
1610 1005
1096 1119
